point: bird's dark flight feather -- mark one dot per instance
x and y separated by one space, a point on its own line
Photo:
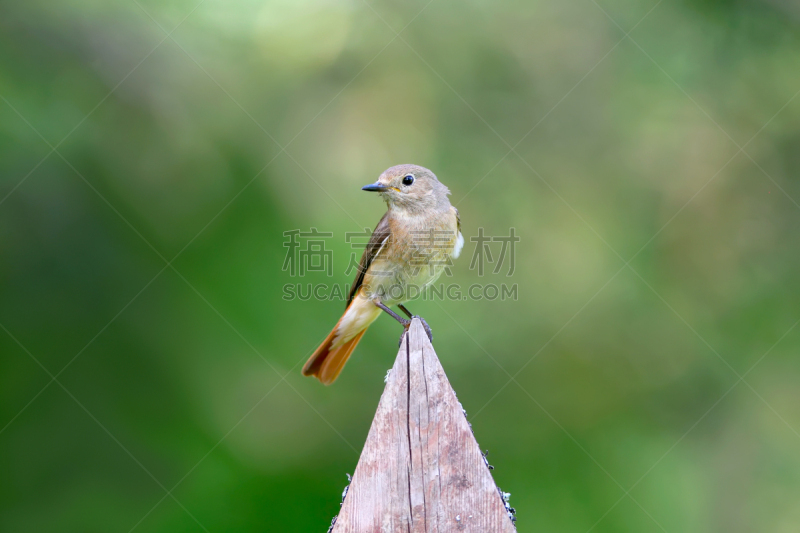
379 236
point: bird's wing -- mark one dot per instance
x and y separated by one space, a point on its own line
459 237
376 242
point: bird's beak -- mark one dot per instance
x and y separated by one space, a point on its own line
375 187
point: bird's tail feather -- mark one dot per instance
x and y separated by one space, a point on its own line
328 360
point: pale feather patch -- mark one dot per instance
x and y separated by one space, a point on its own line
381 248
459 246
361 313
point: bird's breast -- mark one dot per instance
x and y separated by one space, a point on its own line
415 254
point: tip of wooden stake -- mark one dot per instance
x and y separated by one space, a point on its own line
421 469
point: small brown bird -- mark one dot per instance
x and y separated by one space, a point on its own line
410 247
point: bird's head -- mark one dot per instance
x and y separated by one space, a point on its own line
411 188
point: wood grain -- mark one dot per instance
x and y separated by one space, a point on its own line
421 469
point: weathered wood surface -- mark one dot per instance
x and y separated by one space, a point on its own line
421 469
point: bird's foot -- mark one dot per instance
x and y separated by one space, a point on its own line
407 324
426 326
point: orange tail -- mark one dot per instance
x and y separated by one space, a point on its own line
328 360
326 364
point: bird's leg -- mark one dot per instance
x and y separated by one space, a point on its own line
404 321
424 324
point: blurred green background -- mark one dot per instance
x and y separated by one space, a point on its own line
627 378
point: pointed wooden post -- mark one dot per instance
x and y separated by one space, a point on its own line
421 470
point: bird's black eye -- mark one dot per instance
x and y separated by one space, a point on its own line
408 180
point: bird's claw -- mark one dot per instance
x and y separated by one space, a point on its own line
407 323
426 326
